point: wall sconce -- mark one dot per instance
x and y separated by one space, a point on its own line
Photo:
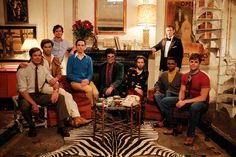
146 17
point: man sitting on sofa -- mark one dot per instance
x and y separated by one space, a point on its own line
30 81
111 75
168 85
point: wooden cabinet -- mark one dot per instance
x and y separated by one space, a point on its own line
7 82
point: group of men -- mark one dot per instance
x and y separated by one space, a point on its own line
189 91
38 81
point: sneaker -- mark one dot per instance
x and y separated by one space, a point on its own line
63 132
32 132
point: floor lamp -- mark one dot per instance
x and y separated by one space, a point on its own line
146 18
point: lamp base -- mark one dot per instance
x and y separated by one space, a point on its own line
145 39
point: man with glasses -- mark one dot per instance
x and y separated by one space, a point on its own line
111 75
168 85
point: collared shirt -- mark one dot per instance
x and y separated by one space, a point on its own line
167 46
60 48
26 78
47 65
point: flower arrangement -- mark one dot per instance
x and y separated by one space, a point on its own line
82 29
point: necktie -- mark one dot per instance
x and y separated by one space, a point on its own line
36 82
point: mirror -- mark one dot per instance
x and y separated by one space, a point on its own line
110 16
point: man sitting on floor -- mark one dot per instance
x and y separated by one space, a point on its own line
168 85
30 81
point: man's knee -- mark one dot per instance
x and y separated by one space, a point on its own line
88 89
24 104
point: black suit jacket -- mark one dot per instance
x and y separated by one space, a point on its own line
175 50
117 76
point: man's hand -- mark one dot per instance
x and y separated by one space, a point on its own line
153 50
35 108
180 103
54 96
84 82
53 81
109 91
139 91
23 65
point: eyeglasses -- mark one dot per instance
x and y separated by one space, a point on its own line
110 56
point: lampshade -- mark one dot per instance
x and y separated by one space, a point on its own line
29 43
147 14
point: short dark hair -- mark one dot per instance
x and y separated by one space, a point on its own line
33 50
80 39
110 51
140 57
170 26
196 56
171 58
56 27
45 41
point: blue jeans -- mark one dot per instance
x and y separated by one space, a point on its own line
168 103
196 110
160 96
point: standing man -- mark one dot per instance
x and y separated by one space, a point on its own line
60 45
111 75
193 95
168 85
30 81
170 47
80 71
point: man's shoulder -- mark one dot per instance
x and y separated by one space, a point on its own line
119 64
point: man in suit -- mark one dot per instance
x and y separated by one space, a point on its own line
170 47
111 75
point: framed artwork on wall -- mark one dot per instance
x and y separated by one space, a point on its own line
16 11
12 39
179 13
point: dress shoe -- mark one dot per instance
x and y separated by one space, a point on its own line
169 131
77 122
159 124
85 121
32 132
189 141
63 132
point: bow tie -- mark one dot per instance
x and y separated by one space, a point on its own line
168 39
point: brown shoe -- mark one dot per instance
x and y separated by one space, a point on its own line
77 122
85 121
189 141
169 131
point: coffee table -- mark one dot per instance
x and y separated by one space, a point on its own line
101 109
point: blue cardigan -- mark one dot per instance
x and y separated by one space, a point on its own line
78 70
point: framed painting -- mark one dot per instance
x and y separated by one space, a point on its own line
16 11
179 13
12 39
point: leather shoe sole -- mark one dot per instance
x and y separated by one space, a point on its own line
189 141
63 132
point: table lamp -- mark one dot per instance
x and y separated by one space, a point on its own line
146 17
28 44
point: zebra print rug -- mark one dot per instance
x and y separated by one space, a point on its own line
116 143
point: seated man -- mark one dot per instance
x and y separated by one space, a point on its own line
194 94
52 64
80 71
136 78
30 81
167 85
111 75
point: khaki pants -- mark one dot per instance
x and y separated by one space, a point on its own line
70 103
90 90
